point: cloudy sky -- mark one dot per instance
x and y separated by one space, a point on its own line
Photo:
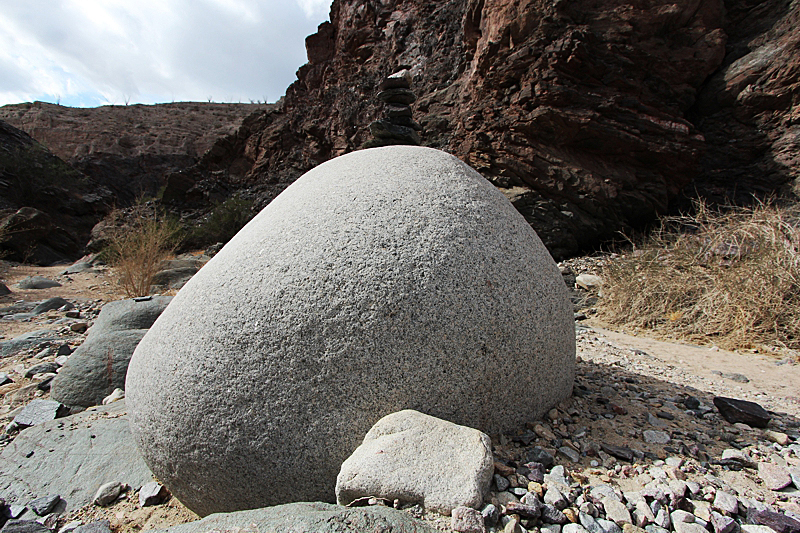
86 53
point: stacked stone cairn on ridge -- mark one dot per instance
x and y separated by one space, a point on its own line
397 126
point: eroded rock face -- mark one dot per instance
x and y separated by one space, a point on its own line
586 114
387 279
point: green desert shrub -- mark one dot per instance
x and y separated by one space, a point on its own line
729 277
224 221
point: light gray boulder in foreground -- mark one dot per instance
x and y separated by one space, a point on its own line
417 458
72 456
385 279
316 517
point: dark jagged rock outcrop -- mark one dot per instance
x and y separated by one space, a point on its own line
47 208
591 116
129 149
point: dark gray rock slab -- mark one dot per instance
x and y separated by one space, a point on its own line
777 521
316 517
50 304
24 526
749 413
45 504
139 313
38 412
81 266
25 341
4 290
98 526
96 368
174 278
37 282
4 379
42 368
72 456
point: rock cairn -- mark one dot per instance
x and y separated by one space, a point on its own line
397 126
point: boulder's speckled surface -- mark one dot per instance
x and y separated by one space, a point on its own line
386 279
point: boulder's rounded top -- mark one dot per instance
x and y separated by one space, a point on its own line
386 279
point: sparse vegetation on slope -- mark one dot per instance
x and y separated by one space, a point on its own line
731 278
138 247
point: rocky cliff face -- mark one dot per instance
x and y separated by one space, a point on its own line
47 208
592 116
130 149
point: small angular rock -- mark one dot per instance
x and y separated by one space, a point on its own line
777 521
620 452
51 304
616 511
399 80
152 493
749 413
98 526
552 515
652 436
42 368
726 502
24 526
467 520
524 510
774 477
397 96
45 504
108 493
722 523
40 411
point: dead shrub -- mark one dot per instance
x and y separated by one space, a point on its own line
138 245
730 277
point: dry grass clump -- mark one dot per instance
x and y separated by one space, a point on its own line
731 278
138 246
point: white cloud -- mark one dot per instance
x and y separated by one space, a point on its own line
89 52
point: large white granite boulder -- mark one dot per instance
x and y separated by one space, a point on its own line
386 279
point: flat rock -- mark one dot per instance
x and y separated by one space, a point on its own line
418 458
316 517
777 521
749 413
397 96
96 368
134 313
775 477
24 526
25 341
80 266
45 504
72 456
652 436
399 80
51 304
37 282
385 279
38 412
98 526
